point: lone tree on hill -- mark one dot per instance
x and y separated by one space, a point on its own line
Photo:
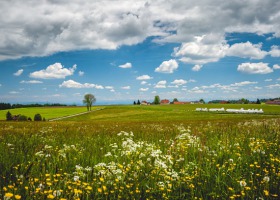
157 100
89 99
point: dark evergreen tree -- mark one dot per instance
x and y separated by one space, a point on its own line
9 116
138 102
157 100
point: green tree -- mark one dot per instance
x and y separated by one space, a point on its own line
258 101
202 101
9 116
157 100
175 100
22 118
37 117
89 99
244 101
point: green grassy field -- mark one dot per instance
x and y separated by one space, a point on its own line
47 112
143 152
174 113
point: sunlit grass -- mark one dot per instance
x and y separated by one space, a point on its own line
137 160
46 112
175 113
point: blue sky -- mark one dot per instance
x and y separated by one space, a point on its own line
57 51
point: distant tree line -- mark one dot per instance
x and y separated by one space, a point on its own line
10 117
243 101
5 106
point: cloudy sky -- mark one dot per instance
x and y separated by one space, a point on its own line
121 51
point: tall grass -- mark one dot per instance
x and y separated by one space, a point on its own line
75 160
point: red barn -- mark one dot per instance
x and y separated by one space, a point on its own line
164 102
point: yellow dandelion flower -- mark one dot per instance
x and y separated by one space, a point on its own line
9 195
247 188
26 187
5 189
89 187
104 187
62 199
266 192
230 189
101 179
17 196
99 190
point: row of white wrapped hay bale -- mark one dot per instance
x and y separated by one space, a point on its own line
230 110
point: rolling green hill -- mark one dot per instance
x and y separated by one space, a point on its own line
47 112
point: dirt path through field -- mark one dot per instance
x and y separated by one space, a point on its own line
74 115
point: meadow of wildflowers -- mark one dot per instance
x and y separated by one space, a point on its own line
87 160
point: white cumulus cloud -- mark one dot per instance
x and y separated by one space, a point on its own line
81 73
275 51
109 87
167 66
276 66
273 86
19 72
55 71
243 83
161 84
254 68
126 87
197 68
179 82
100 87
202 50
32 82
40 29
74 84
143 82
246 50
143 89
126 65
144 77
